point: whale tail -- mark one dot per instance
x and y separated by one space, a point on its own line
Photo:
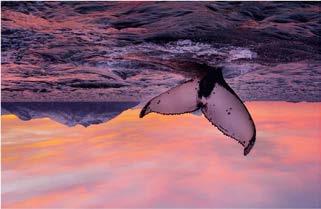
216 99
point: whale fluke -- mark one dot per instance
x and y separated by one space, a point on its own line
216 99
178 100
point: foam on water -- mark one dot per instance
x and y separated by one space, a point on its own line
240 53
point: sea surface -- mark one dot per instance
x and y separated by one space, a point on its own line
132 51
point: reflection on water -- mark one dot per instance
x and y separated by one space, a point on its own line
164 161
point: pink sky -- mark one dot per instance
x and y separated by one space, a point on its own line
164 161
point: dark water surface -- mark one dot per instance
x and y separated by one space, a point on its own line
130 51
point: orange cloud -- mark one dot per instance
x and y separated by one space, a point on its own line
163 161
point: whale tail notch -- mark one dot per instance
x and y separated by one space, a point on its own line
216 99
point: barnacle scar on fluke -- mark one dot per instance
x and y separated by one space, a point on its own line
209 92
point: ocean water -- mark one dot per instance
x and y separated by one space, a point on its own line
129 51
74 77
